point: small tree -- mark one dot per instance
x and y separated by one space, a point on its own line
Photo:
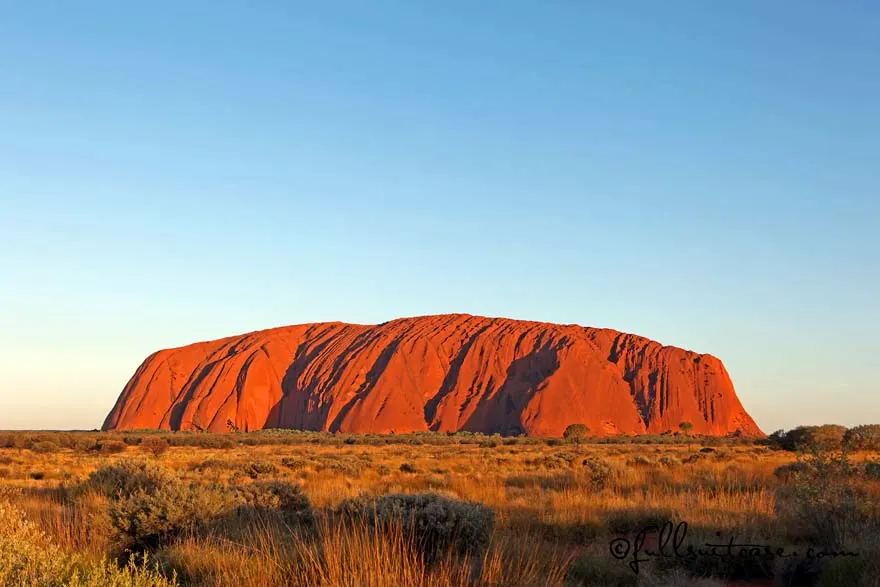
576 432
686 427
156 446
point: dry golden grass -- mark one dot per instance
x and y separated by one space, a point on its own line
551 516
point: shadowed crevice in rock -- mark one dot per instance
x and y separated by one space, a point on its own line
451 381
524 378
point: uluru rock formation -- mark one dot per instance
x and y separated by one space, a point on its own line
446 373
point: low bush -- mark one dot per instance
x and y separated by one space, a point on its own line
435 523
208 465
109 447
294 464
824 501
127 477
146 520
669 461
45 447
598 473
287 499
257 469
640 461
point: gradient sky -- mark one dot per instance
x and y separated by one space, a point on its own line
706 174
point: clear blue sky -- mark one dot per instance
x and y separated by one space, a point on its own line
706 174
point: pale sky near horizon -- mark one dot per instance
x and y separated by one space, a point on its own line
701 173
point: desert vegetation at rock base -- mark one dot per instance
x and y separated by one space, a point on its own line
281 507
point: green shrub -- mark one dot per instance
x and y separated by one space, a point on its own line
435 523
872 471
127 477
408 468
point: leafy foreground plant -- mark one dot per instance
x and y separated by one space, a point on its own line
28 559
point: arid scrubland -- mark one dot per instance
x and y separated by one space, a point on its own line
307 509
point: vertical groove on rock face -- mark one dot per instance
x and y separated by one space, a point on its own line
448 372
